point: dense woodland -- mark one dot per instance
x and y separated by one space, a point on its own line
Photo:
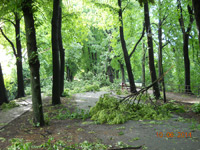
56 43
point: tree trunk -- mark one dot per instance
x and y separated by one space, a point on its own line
160 56
156 90
33 63
126 56
20 79
143 65
69 74
122 71
3 95
56 53
196 7
110 72
186 63
62 53
186 33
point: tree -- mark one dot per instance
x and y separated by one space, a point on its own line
196 7
34 63
17 54
161 21
143 64
56 53
186 33
125 52
3 96
156 90
62 51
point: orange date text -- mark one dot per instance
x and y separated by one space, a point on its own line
174 135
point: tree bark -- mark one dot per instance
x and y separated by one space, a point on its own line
126 56
160 56
3 95
186 33
20 79
196 7
34 64
56 53
122 71
143 64
156 90
62 52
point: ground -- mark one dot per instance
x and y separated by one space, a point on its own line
177 133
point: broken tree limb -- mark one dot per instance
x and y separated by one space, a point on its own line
133 96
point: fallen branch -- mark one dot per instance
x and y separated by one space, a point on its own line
127 148
133 96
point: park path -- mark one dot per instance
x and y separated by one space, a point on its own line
132 132
180 97
84 101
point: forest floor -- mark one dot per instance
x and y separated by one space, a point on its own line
134 133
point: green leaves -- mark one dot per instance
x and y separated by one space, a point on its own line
109 110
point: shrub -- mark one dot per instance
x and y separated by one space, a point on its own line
196 108
10 105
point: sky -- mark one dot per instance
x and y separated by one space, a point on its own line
7 62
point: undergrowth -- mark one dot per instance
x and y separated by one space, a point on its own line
10 105
51 144
196 108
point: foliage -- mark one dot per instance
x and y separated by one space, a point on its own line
10 105
52 144
109 110
65 113
178 108
19 144
196 108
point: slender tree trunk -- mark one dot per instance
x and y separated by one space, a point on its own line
156 90
126 56
3 95
160 56
143 65
122 71
56 53
62 52
33 63
186 63
20 79
196 7
186 33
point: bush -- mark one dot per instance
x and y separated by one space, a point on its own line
196 108
93 88
10 105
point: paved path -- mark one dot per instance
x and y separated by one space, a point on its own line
9 115
134 132
155 135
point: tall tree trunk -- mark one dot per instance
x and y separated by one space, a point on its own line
126 56
186 33
3 95
160 47
186 63
56 53
20 79
62 52
143 64
122 71
196 7
33 63
156 90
